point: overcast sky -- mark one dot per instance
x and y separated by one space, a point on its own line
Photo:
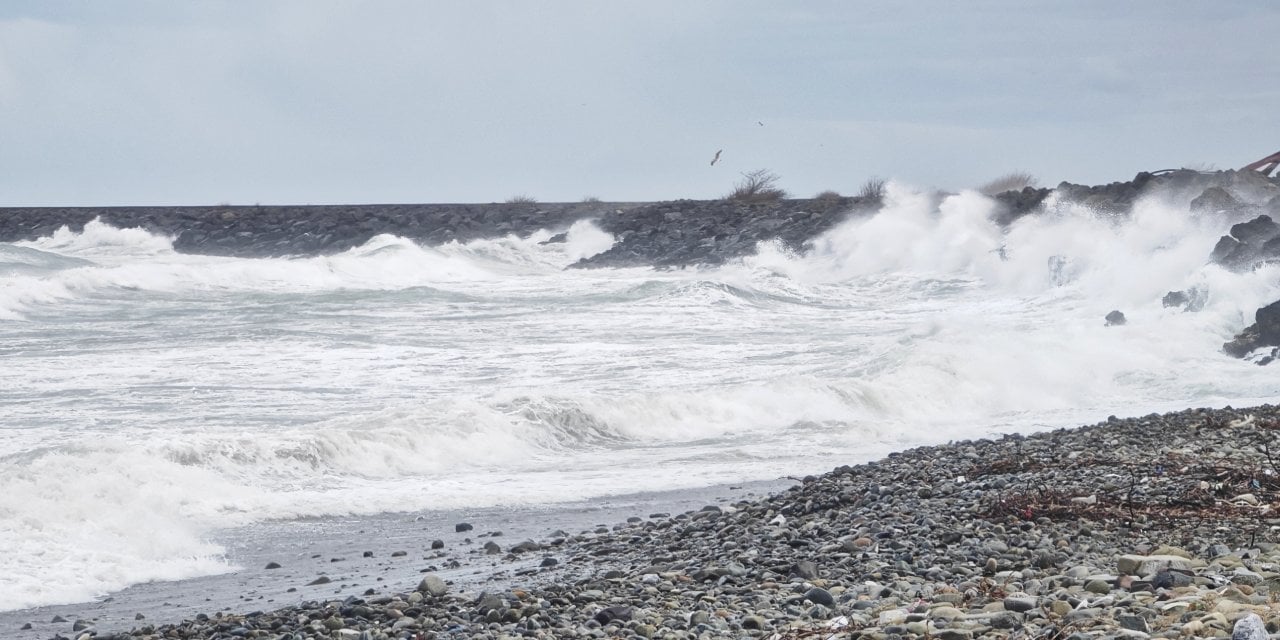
163 102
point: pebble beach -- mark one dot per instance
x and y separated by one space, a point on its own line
1156 526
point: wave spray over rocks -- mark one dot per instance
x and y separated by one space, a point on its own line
273 422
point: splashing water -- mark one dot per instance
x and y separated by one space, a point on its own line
166 397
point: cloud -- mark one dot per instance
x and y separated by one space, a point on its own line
290 101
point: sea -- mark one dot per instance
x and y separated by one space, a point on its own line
155 404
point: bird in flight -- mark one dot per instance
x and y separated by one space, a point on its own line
717 158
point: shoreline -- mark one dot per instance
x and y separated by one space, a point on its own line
1154 526
322 540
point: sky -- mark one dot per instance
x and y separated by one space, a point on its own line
136 102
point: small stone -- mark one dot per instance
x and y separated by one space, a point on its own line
320 580
1168 579
437 544
1019 602
1244 576
820 596
399 554
139 617
1115 319
945 613
433 585
1136 565
1133 623
805 570
58 620
1217 551
273 565
81 625
492 548
753 622
367 554
612 614
1249 627
526 546
1098 586
462 526
548 562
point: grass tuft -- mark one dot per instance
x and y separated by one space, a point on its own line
872 190
757 186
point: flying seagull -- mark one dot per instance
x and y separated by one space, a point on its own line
717 158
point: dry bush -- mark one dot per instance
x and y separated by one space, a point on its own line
591 200
1015 181
522 199
872 189
757 186
828 195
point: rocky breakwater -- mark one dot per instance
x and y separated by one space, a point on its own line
1246 201
1162 526
686 232
262 231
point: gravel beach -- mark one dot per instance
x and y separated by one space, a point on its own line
1158 526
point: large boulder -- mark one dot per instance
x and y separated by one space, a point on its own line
1264 332
1214 200
1249 244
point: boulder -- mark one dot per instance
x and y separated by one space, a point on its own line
1248 244
1214 200
1115 318
433 585
1264 332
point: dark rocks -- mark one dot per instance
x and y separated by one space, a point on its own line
1214 200
1115 319
820 596
320 580
1248 244
1016 204
437 544
273 565
613 614
525 547
492 548
462 526
1264 332
1170 579
1191 300
687 232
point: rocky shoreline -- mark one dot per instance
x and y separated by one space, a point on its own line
1158 526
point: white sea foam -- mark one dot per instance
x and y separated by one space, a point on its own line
164 397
